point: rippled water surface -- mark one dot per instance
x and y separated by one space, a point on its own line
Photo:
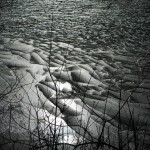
85 23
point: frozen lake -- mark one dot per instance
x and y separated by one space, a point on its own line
85 62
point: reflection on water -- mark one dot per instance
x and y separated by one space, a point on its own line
82 23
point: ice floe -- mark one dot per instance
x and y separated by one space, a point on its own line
90 91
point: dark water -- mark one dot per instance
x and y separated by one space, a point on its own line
89 23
